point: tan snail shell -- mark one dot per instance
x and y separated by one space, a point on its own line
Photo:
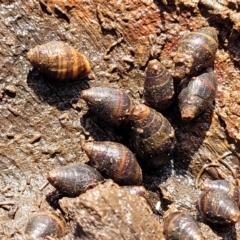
115 161
198 95
59 60
158 86
181 226
74 179
195 52
111 104
153 137
45 224
217 207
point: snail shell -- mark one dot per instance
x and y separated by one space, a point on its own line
153 137
74 179
111 104
195 51
217 207
136 190
115 161
181 226
59 60
230 188
45 224
158 86
198 95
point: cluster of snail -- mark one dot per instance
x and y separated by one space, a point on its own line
152 135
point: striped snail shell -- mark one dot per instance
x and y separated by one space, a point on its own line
111 104
217 207
45 224
153 137
230 188
115 161
158 86
74 179
195 51
181 226
59 60
198 95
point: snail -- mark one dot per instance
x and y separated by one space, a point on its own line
111 104
230 188
195 51
59 60
181 226
153 136
158 86
45 224
74 179
115 161
136 190
198 95
216 206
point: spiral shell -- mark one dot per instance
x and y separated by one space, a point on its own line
181 226
59 60
198 95
45 224
74 179
111 104
195 51
158 86
115 161
230 188
217 207
153 137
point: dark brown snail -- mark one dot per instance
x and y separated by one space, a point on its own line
198 95
153 136
217 207
111 104
115 161
230 188
45 224
158 86
59 60
74 179
195 52
181 226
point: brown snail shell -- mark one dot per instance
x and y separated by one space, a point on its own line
136 190
230 188
111 104
198 95
181 226
158 86
195 51
115 161
45 224
217 207
59 60
74 179
153 137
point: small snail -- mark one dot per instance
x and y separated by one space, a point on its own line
230 188
217 207
111 104
115 161
195 51
136 190
153 136
74 179
59 60
181 226
158 86
45 224
198 95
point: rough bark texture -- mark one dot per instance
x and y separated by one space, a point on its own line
43 123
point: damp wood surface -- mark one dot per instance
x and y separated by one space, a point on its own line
44 123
